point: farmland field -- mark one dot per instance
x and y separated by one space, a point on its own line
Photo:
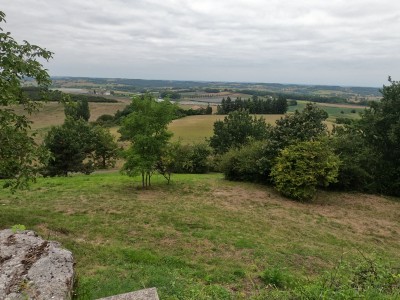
189 129
197 128
201 237
334 110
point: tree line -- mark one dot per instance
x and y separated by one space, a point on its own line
38 94
255 105
179 112
299 96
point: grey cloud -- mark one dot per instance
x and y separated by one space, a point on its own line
309 41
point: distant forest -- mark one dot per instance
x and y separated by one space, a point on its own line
255 105
273 89
37 94
305 97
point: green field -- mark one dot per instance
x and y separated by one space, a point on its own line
201 237
334 110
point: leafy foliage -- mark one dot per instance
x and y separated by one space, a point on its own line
357 160
380 128
301 126
192 159
77 110
301 167
254 105
180 112
170 95
146 129
20 157
178 158
69 144
76 146
237 129
105 148
368 147
105 120
254 161
245 163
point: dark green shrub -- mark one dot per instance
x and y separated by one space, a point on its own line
357 160
199 158
301 126
236 130
193 158
105 120
244 164
342 120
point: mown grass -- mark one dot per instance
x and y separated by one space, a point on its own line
201 237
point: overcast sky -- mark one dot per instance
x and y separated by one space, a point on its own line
344 42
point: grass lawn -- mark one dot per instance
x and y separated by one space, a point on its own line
201 237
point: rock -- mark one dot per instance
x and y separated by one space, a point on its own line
147 294
32 268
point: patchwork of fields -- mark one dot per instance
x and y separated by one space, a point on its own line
189 129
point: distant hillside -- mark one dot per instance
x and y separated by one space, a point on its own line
211 91
85 82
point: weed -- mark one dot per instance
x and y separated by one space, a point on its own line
277 277
18 227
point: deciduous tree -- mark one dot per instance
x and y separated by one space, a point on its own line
380 128
77 110
237 129
301 126
146 129
20 156
77 146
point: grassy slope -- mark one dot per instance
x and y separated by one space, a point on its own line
201 237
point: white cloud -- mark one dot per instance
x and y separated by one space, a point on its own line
309 41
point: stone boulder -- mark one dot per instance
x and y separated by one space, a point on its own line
33 268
